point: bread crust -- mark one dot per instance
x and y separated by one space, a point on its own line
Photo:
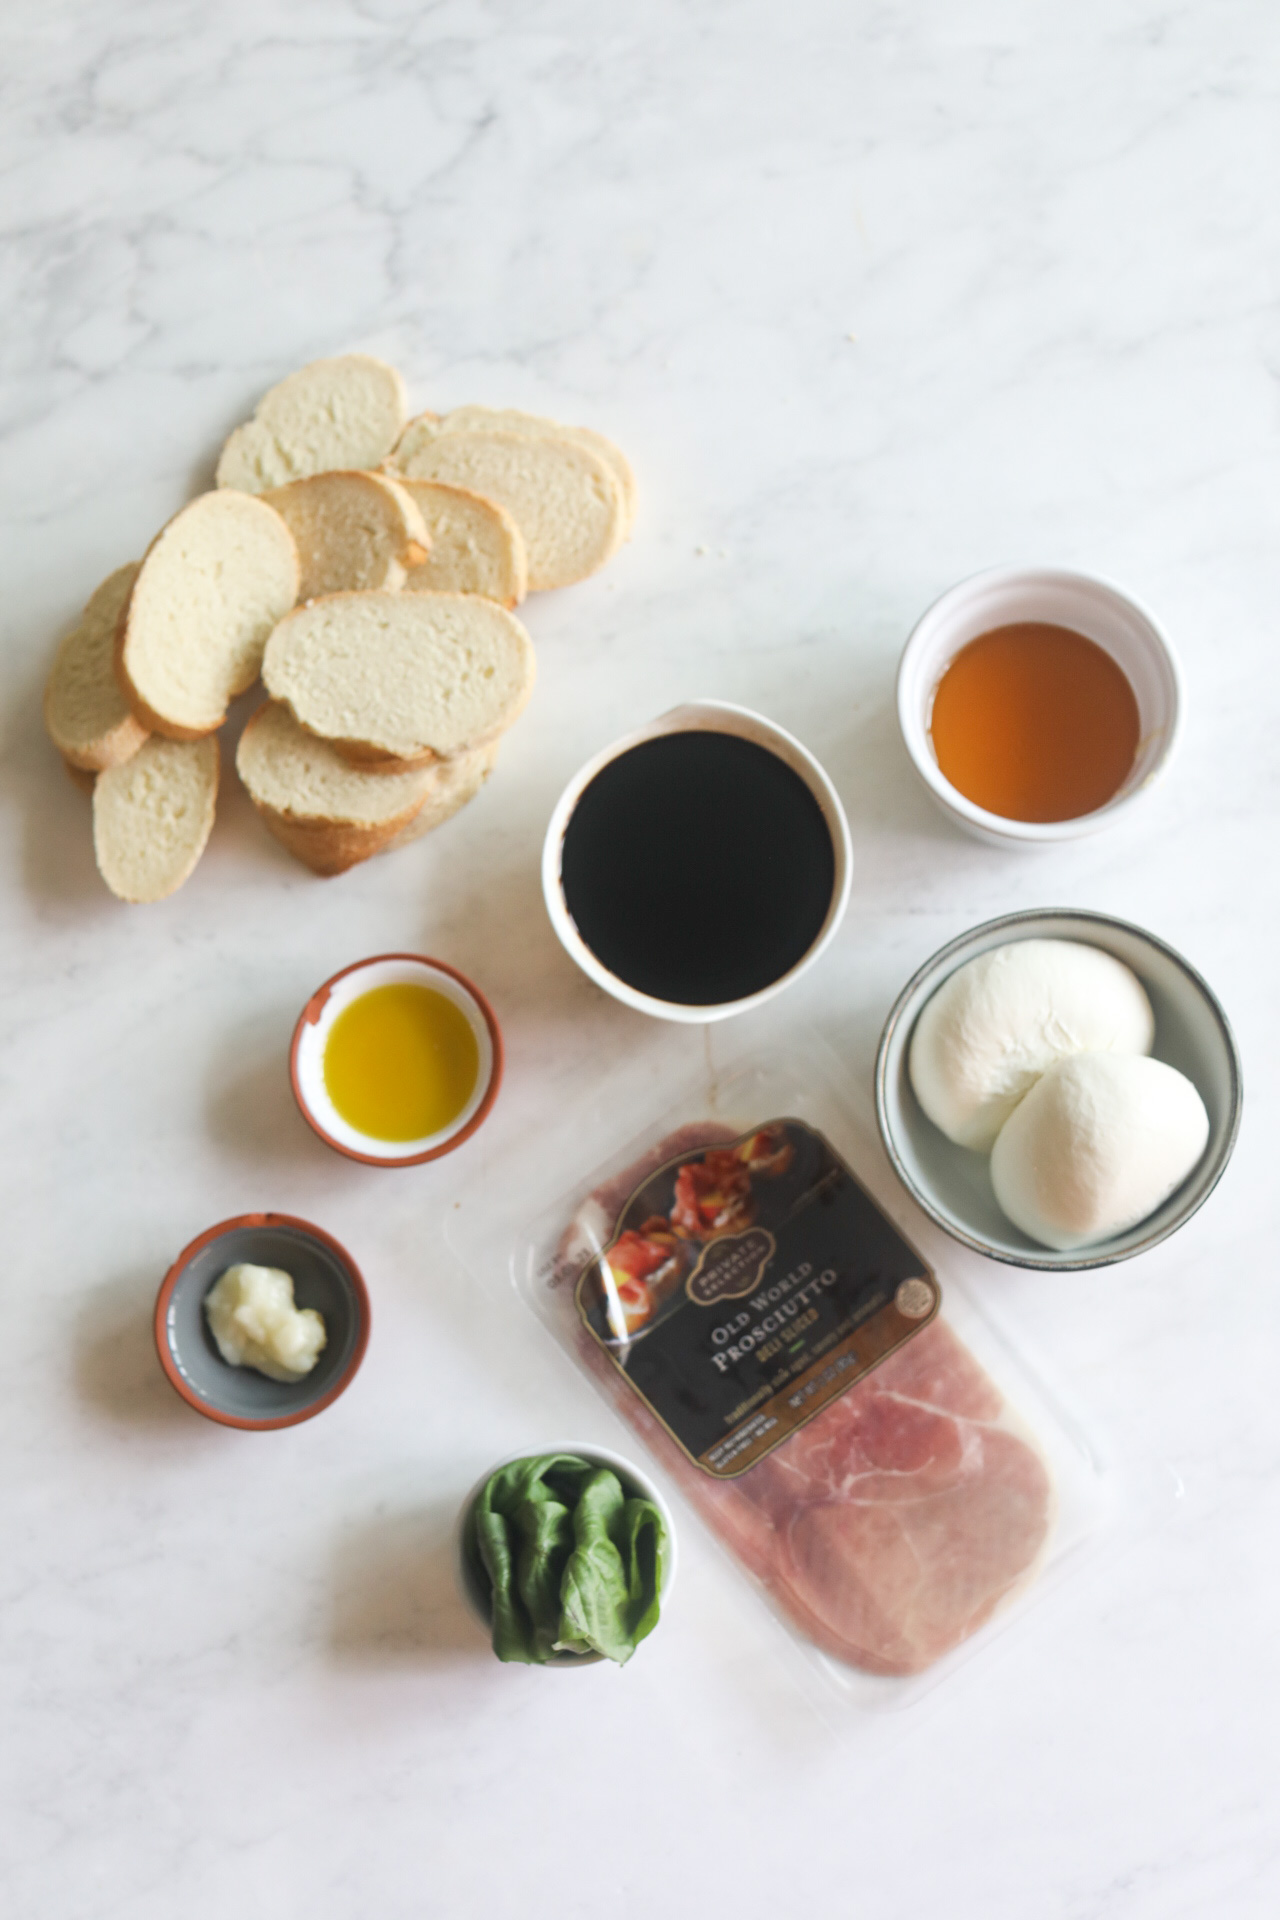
328 847
84 653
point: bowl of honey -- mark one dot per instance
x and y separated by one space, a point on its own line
1038 705
396 1060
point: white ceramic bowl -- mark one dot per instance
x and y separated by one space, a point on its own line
306 1057
470 1576
1111 619
702 716
953 1185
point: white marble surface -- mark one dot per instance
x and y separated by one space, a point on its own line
874 295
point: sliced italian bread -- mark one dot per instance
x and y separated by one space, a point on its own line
85 714
401 679
344 412
331 815
562 496
474 545
453 783
153 815
534 425
355 532
327 813
213 584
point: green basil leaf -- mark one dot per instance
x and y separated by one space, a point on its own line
574 1566
523 1535
613 1577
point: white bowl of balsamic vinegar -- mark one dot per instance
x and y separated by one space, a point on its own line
1002 689
697 867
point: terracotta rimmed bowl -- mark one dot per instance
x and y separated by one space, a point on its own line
953 1184
1103 613
306 1057
324 1277
472 1580
700 716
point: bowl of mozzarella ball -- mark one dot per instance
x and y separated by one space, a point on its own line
1058 1089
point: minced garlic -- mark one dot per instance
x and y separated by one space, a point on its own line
255 1323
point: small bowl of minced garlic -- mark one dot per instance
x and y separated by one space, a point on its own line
262 1321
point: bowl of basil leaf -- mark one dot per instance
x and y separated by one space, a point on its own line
566 1556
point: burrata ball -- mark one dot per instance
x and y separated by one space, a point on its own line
996 1023
1097 1144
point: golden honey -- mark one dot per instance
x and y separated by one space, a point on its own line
401 1062
1035 722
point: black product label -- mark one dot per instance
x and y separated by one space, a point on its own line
745 1286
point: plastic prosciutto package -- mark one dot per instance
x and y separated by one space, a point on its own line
837 1409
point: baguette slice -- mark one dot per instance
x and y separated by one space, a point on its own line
354 531
325 812
475 545
331 815
85 714
344 412
401 679
153 815
453 783
560 493
213 584
535 426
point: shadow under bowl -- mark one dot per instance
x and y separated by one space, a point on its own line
324 1277
953 1184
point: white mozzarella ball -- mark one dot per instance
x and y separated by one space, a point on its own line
1097 1144
993 1027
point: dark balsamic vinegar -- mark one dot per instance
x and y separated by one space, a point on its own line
698 867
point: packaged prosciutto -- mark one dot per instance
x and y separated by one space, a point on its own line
824 1396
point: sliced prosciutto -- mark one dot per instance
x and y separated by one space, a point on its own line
892 1525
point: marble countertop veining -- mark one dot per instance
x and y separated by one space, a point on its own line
874 295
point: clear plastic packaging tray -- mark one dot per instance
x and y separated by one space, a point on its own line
892 1475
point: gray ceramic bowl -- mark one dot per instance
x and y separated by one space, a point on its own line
473 1582
953 1185
324 1277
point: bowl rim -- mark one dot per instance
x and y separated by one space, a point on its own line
315 1006
1082 1259
160 1317
997 826
603 1456
692 716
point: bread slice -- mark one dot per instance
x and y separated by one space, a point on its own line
331 815
153 815
85 714
401 679
453 783
344 412
474 545
535 426
213 584
327 813
353 531
560 493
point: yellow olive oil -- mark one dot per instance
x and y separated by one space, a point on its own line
401 1062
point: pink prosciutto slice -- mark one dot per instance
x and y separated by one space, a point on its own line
896 1522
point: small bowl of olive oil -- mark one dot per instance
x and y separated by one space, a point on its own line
396 1060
